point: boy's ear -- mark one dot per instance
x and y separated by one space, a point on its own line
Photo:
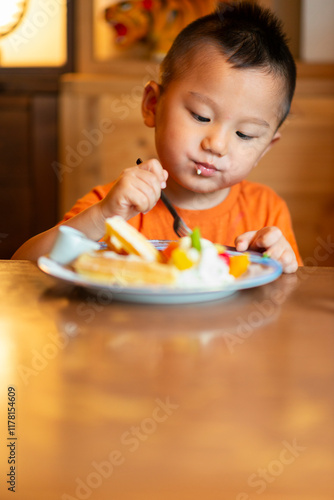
149 103
276 138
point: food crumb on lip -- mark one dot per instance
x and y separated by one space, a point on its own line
205 169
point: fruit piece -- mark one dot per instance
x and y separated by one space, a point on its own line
220 248
226 257
196 239
181 260
167 252
238 264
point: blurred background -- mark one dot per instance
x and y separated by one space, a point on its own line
71 78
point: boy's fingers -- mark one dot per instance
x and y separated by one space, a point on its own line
272 240
291 268
267 237
155 167
264 238
243 241
152 165
165 174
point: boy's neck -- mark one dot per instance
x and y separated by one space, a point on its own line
189 200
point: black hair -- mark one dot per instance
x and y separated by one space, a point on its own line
248 36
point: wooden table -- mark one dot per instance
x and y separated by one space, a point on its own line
226 400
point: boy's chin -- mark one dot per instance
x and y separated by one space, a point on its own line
196 185
207 197
203 185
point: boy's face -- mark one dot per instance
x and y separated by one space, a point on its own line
214 119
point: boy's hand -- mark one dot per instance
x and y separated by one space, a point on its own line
273 242
136 190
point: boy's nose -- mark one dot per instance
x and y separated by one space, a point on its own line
215 143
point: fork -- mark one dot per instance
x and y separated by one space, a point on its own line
179 226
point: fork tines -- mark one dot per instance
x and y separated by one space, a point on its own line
181 228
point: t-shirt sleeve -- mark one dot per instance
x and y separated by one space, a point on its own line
89 199
285 224
262 207
279 216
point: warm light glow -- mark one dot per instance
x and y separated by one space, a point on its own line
6 351
40 39
11 14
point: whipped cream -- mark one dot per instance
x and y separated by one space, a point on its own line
209 269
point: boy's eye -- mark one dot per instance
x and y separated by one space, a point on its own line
244 137
200 118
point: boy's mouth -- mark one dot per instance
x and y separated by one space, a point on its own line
205 169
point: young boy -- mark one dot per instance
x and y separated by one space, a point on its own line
226 87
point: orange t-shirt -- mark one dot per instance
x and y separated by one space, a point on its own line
249 206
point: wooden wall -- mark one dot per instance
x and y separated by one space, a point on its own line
300 167
28 186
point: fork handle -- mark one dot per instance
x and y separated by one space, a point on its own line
163 197
168 204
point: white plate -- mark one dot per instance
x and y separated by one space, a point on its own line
260 272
